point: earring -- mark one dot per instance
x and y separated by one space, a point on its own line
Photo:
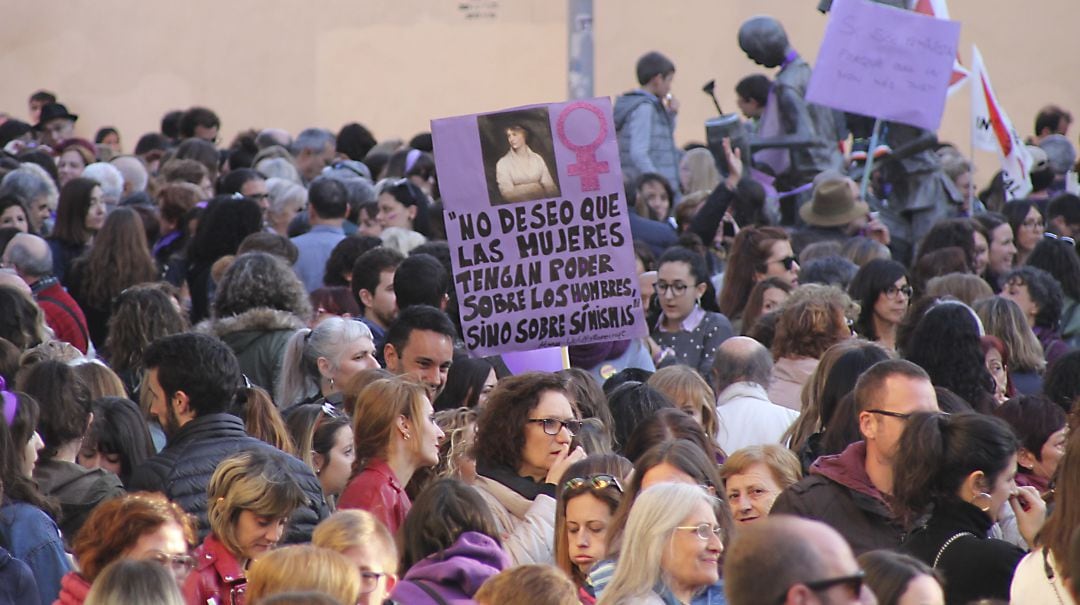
986 498
331 382
405 436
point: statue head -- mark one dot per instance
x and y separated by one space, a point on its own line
763 39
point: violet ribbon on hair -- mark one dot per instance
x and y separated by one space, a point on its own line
410 159
11 402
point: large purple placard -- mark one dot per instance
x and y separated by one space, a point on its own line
885 62
538 227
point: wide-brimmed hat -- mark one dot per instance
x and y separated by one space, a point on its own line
833 204
51 111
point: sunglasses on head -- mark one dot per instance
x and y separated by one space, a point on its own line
600 481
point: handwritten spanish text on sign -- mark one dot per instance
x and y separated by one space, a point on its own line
885 62
538 227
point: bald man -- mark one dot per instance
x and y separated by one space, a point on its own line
740 378
792 561
30 257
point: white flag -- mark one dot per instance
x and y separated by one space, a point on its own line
992 130
938 9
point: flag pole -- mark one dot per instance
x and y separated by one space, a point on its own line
869 167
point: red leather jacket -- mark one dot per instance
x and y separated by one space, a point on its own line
218 575
377 490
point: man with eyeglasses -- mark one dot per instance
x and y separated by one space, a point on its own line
787 561
852 491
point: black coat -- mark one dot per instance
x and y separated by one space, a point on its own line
183 469
974 566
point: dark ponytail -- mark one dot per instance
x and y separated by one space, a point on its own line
938 451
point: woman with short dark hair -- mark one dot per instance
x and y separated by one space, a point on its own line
522 449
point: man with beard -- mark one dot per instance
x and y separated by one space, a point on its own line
193 382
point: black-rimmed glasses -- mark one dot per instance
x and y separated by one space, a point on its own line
599 481
889 414
552 426
892 291
677 288
853 583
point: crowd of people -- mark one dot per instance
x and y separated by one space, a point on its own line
235 374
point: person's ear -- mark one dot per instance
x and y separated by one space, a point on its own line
798 594
89 421
390 355
366 297
410 211
391 582
324 366
181 404
973 485
317 461
867 426
404 427
1025 459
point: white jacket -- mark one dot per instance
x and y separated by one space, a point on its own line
1030 586
747 417
526 527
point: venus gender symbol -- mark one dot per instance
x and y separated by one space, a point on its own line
586 167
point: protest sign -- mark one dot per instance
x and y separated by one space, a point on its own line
885 62
537 223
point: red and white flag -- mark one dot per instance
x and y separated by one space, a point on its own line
938 10
992 130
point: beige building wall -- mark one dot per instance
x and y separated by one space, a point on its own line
395 64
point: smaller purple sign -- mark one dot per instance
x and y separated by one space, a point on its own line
538 227
885 62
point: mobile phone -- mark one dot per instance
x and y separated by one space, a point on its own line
729 229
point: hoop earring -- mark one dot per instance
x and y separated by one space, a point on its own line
988 499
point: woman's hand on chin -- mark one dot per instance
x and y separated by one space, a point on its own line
565 459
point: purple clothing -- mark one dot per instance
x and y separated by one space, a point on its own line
1053 346
455 574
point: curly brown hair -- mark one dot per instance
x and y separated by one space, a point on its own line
814 319
117 524
258 279
118 259
142 314
500 429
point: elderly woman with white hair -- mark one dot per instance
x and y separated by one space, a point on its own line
287 199
37 192
677 542
318 362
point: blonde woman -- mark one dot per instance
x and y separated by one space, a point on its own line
252 495
673 532
459 426
690 393
1003 318
303 567
365 541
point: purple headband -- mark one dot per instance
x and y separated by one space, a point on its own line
11 402
410 159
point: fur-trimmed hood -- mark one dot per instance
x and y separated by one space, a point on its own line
259 319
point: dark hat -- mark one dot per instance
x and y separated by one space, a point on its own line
833 204
51 111
11 130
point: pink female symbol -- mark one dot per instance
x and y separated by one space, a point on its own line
586 167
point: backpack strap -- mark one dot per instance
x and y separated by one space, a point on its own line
422 585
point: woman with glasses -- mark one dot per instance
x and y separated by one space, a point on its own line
676 540
251 497
960 469
882 290
367 543
324 441
394 435
586 501
686 333
1027 226
1040 297
758 252
141 526
674 461
449 546
522 449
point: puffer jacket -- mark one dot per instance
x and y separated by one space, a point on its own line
183 469
258 337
